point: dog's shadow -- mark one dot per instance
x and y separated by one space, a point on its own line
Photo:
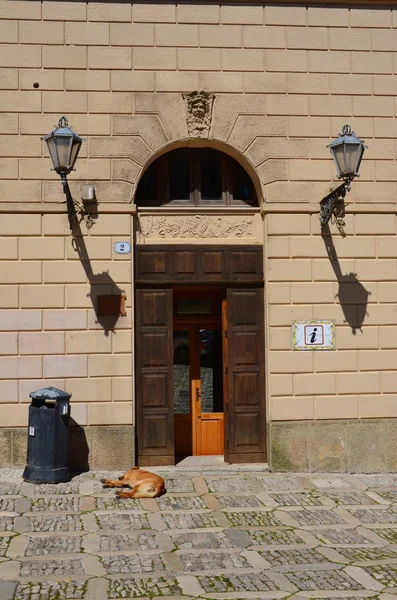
110 483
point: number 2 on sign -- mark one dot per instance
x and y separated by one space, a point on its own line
122 247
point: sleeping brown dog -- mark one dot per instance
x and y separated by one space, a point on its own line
143 484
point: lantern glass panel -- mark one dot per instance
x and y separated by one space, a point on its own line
351 158
360 152
64 146
76 143
52 149
339 157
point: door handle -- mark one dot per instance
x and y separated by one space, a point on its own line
198 394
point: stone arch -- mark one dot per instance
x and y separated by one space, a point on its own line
239 127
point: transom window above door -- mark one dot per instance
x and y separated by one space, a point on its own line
195 177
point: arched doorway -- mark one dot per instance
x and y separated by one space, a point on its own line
199 317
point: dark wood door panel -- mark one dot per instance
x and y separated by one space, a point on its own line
155 439
244 262
155 390
248 349
154 349
198 264
185 263
213 262
154 308
154 376
247 433
245 308
152 262
246 380
246 388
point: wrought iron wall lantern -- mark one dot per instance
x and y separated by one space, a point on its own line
64 147
347 151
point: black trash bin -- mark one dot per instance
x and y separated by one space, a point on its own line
48 437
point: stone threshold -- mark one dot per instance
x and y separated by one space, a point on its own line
191 464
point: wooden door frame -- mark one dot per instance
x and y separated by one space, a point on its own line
225 365
193 325
202 266
189 326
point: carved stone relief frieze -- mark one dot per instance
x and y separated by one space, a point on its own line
198 113
196 227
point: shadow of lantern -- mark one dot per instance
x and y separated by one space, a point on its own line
352 295
108 300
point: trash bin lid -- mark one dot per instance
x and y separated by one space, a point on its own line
51 393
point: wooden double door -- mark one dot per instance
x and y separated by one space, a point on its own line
200 380
199 387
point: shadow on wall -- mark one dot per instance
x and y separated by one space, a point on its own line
100 283
352 295
78 449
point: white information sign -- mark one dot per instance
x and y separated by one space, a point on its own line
122 247
313 335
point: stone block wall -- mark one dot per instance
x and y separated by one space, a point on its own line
51 333
357 289
286 78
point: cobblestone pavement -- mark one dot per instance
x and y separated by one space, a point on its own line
218 533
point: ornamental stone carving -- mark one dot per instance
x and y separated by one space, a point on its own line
198 113
196 226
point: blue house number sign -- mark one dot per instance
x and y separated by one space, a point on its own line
122 247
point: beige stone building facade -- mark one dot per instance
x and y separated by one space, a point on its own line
280 80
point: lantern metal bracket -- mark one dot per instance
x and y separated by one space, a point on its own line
332 207
72 204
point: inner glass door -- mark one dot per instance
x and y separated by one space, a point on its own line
209 399
198 389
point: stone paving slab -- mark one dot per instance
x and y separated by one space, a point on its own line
50 545
112 503
55 522
56 504
122 521
299 499
229 532
374 515
239 501
355 498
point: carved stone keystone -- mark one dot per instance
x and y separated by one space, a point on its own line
198 113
